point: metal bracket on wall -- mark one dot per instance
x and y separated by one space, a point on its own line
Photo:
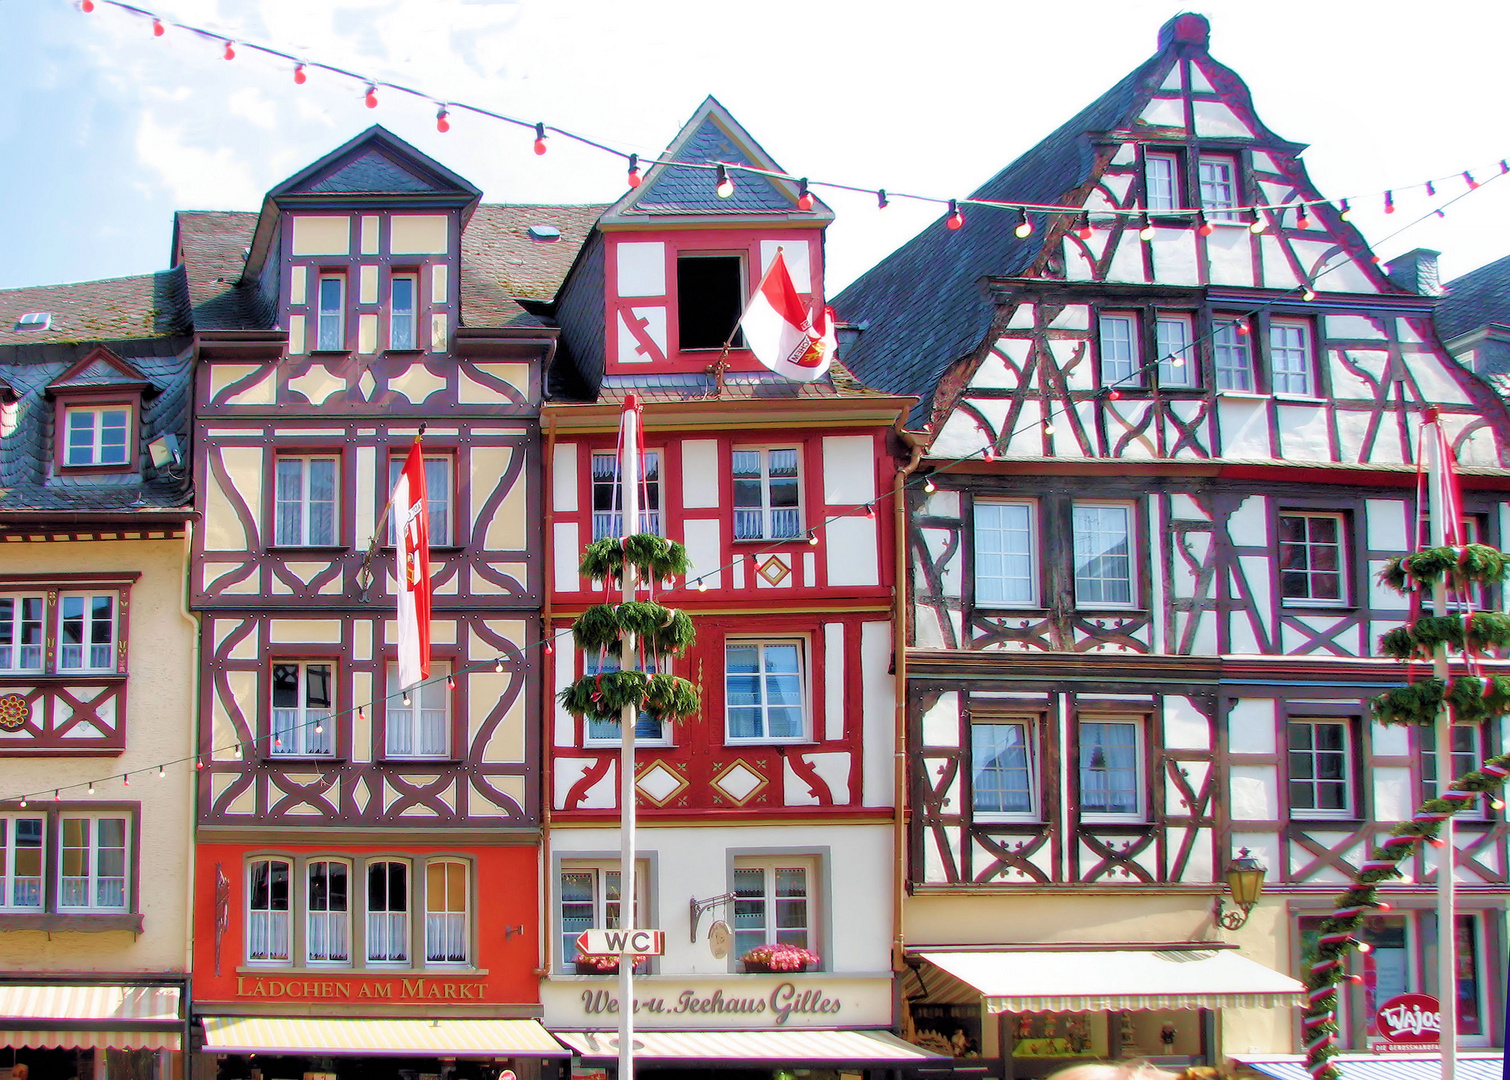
698 907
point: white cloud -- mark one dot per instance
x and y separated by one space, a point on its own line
195 177
251 104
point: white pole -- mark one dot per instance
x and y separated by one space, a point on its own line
1447 981
629 487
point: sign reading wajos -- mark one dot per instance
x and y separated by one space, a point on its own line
1415 1019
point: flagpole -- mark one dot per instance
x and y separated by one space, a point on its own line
1447 980
629 487
364 572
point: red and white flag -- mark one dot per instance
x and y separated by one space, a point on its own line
779 329
410 508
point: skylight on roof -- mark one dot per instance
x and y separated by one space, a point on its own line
35 320
544 233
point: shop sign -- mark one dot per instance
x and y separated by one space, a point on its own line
373 990
741 1001
618 942
1410 1020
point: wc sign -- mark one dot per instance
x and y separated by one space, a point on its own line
618 942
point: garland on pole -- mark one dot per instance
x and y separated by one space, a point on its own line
1473 699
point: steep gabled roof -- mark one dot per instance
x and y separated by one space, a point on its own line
712 136
115 309
99 368
1479 298
212 246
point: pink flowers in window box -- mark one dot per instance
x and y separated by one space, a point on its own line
779 958
607 964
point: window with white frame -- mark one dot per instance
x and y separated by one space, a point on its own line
438 471
331 317
1320 763
1161 182
303 702
602 732
1470 749
21 876
1120 357
447 906
305 501
608 495
403 292
1004 768
1232 353
1291 367
269 906
92 851
1174 337
1006 554
764 690
327 922
773 903
1217 177
767 495
417 721
1313 559
1103 555
97 435
21 626
1111 768
86 631
590 900
387 912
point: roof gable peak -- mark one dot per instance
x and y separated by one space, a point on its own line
99 369
377 162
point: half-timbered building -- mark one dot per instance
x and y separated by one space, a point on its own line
771 813
96 671
365 849
1172 440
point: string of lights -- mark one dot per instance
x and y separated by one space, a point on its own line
724 172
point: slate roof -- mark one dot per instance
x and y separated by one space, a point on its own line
923 307
27 486
212 245
116 309
681 191
738 386
1476 299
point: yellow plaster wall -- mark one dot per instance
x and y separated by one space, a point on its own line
159 727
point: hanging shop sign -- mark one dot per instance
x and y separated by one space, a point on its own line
736 1001
1409 1021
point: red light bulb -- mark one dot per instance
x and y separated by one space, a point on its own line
1431 189
634 171
1115 395
299 77
230 52
441 123
1470 181
1084 230
1389 202
955 220
1205 228
158 29
1242 328
371 97
805 201
86 6
1302 219
540 138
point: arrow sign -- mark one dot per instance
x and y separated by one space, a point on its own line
619 942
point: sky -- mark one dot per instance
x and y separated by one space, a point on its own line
105 129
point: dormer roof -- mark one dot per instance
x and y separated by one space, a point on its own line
712 137
99 369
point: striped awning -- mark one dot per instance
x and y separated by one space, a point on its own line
97 1016
857 1048
1481 1065
1090 980
378 1036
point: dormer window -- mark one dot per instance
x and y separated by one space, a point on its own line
710 295
331 333
35 320
1219 187
1161 183
97 435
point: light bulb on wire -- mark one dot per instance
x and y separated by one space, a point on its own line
634 170
158 29
299 77
724 185
86 6
812 537
407 701
230 52
162 771
498 665
370 98
882 202
1302 218
125 779
540 138
1260 223
955 220
929 487
443 120
1204 227
91 787
805 198
1084 230
1470 181
1146 232
1389 202
1024 226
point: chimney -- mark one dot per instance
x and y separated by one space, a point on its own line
1186 28
1416 271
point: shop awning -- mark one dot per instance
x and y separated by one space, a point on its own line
1076 980
378 1036
90 1017
1472 1065
857 1048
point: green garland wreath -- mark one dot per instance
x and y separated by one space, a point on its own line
1472 564
654 557
665 631
1486 630
605 697
1473 700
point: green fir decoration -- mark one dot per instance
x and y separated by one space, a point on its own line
604 697
1473 700
655 557
1472 564
1486 631
663 631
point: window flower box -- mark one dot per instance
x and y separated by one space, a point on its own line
780 958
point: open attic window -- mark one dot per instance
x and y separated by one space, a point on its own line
710 295
35 320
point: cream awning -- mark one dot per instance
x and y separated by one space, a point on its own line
1088 980
754 1047
89 1017
378 1036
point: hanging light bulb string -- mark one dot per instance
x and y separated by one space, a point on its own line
369 86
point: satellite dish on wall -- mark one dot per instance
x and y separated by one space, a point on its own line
720 938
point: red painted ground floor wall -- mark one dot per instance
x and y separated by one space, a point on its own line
355 926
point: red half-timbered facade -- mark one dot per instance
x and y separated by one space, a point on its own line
1172 442
773 808
365 848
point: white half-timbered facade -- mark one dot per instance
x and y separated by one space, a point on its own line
1173 441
